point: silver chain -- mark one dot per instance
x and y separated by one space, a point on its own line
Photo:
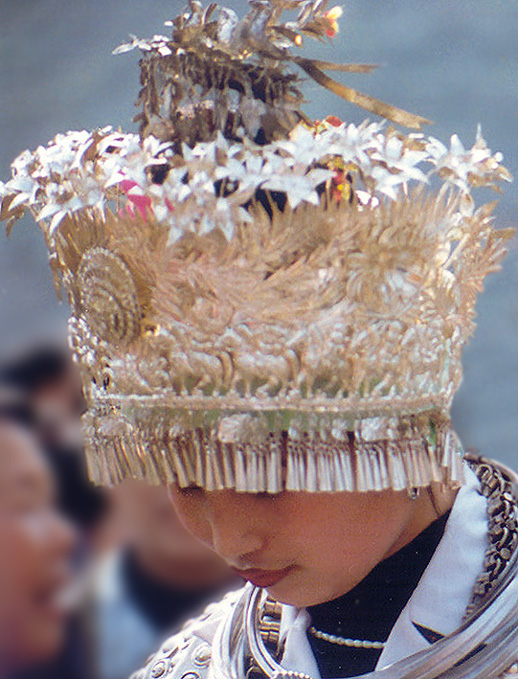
497 488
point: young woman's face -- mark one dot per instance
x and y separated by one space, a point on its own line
304 548
35 546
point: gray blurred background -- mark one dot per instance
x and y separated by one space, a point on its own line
453 61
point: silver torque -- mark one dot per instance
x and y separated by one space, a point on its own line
494 629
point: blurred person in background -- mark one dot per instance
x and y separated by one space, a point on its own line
36 547
143 591
44 384
156 574
49 378
49 381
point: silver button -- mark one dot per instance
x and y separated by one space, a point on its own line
202 655
158 669
170 645
191 675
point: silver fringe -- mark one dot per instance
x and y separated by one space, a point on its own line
309 462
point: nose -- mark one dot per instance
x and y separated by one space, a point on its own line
235 528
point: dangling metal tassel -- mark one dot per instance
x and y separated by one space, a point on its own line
228 463
396 467
240 469
197 453
253 471
346 468
274 466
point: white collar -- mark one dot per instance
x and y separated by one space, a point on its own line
440 599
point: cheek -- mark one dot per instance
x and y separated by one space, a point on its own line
325 534
34 545
190 507
20 554
20 561
33 552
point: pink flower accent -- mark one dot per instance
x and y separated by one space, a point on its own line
127 184
136 200
142 203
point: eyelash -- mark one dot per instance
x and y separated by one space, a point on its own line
190 491
187 491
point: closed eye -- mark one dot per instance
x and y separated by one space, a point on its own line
188 491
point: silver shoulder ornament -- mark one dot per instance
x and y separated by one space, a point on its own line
188 654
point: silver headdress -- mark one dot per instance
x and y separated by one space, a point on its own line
261 301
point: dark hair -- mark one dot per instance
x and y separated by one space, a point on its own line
42 366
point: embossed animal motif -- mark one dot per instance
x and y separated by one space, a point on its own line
196 365
326 366
263 364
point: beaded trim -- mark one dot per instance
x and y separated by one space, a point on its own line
343 641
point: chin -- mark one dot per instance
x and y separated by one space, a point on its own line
300 597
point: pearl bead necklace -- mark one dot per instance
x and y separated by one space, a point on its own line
342 641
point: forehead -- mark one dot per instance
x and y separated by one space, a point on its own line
19 455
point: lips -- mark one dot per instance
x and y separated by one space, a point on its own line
263 578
